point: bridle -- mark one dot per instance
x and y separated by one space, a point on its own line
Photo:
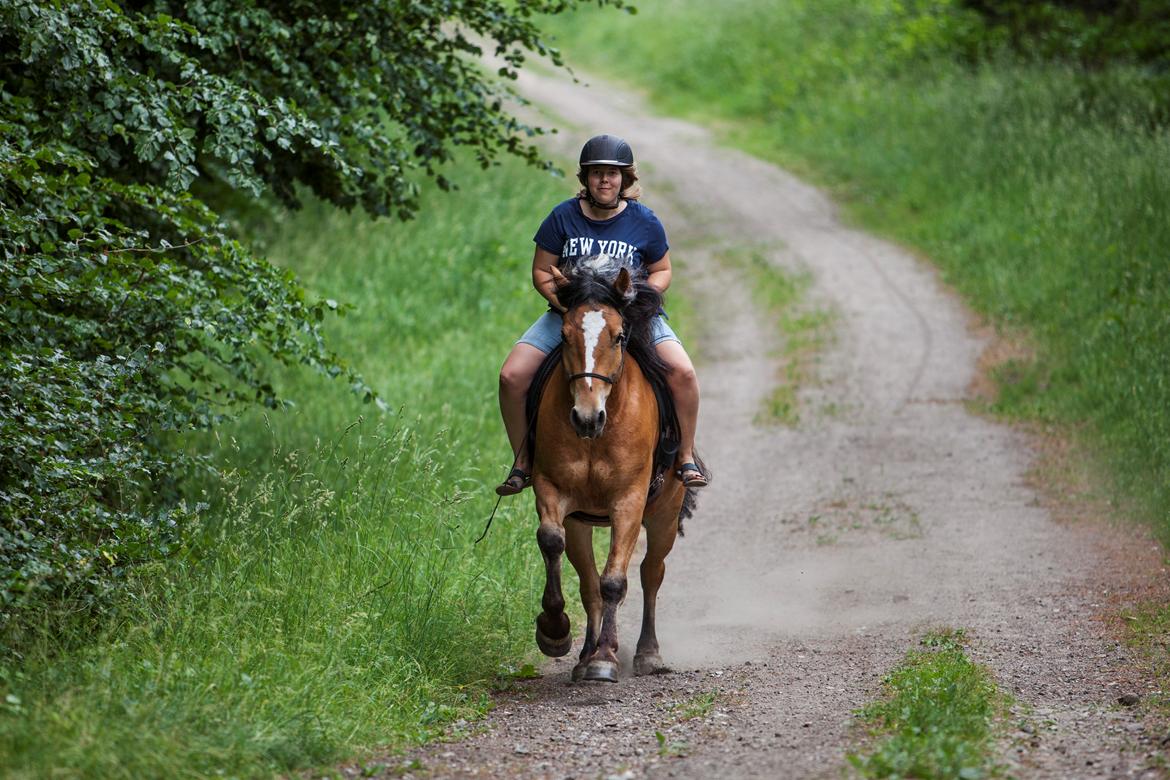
608 378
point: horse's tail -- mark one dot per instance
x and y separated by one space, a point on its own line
691 497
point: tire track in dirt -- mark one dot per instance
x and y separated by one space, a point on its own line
822 552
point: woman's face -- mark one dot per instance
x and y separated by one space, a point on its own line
604 182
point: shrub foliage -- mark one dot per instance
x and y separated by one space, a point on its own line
1093 32
128 309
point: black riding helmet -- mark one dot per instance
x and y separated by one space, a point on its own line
604 150
607 150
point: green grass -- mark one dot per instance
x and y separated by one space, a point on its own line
1041 191
699 705
935 718
668 748
332 602
1147 629
803 329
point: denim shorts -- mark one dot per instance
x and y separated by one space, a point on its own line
545 333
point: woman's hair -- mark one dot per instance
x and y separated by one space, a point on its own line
631 190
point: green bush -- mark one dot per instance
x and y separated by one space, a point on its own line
114 336
1092 32
330 602
129 311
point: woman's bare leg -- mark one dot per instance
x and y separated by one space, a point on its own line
684 386
515 378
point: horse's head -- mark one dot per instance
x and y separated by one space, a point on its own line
594 342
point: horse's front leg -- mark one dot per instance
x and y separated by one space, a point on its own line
661 531
579 548
627 519
553 636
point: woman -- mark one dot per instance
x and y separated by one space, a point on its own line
604 218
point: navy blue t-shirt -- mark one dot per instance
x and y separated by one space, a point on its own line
634 236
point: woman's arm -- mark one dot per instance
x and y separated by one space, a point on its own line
543 262
659 273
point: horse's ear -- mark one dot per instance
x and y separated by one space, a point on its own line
624 284
558 278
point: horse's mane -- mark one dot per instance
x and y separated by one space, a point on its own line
591 280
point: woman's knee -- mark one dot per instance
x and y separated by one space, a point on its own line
519 368
685 378
682 370
513 380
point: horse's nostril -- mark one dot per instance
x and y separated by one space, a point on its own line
574 417
601 418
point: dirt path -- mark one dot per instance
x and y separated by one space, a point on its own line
822 552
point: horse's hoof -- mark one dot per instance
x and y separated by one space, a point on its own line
650 663
601 671
553 648
579 671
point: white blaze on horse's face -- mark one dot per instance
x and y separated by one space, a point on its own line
593 357
592 324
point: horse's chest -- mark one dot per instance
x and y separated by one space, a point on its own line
587 473
593 484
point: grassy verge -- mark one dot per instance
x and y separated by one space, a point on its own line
1040 190
803 329
332 602
1147 629
936 716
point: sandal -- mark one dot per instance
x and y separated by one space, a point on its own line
516 482
691 475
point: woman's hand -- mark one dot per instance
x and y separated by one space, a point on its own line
543 262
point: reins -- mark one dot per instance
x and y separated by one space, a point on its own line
496 508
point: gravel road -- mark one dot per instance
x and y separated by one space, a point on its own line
823 551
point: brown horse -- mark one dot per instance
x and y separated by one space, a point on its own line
595 438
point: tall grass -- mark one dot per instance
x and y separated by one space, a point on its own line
1042 191
332 601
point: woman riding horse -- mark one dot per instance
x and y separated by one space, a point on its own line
604 439
606 218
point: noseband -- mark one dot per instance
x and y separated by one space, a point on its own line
607 378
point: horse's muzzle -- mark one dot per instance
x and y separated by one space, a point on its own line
588 426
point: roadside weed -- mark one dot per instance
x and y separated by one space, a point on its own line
935 718
668 748
697 706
